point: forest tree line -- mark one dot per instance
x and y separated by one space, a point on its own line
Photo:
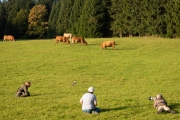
89 18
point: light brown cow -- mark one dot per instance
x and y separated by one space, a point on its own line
78 40
9 38
106 44
59 39
75 40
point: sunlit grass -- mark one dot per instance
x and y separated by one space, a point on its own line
124 78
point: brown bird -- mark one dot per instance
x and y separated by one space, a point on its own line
74 83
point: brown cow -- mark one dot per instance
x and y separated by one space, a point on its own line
83 41
78 40
62 39
66 40
9 38
106 44
59 39
75 39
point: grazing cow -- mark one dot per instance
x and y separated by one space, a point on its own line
68 35
75 39
83 41
106 44
59 39
9 38
78 40
66 40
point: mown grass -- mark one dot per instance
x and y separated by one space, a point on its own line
123 78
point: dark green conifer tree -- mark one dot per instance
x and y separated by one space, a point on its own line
20 23
2 19
75 15
92 19
60 17
172 18
118 17
52 21
12 8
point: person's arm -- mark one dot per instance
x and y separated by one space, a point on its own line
25 88
95 101
165 102
81 101
154 104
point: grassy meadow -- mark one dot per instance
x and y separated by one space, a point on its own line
123 78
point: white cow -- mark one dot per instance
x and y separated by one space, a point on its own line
68 35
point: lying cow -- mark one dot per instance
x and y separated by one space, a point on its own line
78 40
9 38
106 44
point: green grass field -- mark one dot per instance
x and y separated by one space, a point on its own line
123 78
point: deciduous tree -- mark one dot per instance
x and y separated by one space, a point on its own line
38 24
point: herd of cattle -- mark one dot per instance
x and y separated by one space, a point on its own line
74 39
66 39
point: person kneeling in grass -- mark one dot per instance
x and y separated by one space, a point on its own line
23 90
88 101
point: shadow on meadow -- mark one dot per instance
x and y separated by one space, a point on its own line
174 106
33 95
110 109
109 48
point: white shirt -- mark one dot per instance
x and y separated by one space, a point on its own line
88 100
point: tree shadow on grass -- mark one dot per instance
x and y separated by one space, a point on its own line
111 109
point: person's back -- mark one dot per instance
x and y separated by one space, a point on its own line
22 88
88 101
159 102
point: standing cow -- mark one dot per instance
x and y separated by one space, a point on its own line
83 41
59 39
78 40
68 35
106 44
66 40
9 38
